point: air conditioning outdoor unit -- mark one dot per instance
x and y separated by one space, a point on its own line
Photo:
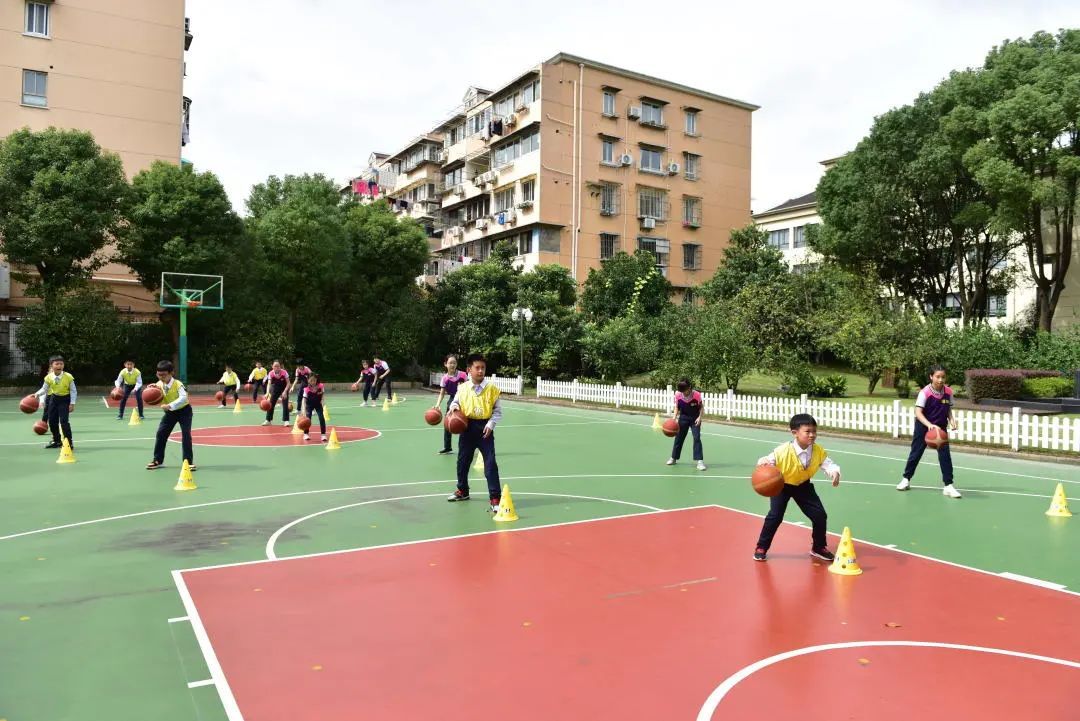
481 224
648 223
673 169
633 112
626 159
510 120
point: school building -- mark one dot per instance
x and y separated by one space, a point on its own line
573 161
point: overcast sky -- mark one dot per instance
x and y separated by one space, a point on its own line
294 86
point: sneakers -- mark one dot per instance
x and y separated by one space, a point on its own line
670 462
153 465
324 438
222 406
495 504
458 495
701 466
950 491
266 423
307 437
286 424
759 554
903 485
192 467
823 553
54 444
446 451
119 418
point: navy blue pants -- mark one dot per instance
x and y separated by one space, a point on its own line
687 424
226 390
918 447
367 388
58 417
258 388
809 503
471 440
379 386
275 394
165 429
317 408
128 390
447 436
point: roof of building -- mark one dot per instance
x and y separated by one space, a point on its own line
419 140
803 201
578 60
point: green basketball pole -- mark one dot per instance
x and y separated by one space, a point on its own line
183 343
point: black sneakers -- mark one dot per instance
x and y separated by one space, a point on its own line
759 554
823 553
457 495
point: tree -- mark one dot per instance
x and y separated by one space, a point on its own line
553 336
622 281
61 199
722 351
619 348
81 324
748 259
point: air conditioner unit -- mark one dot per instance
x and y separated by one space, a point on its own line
633 112
521 107
481 224
458 190
510 120
443 154
626 159
648 223
673 169
478 180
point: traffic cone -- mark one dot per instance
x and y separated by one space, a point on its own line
66 454
135 419
326 412
845 562
236 406
396 400
333 444
656 425
506 510
478 464
1059 507
296 426
386 404
186 482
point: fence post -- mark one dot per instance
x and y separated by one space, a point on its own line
802 403
573 391
539 382
520 385
896 418
729 403
618 394
669 406
1016 428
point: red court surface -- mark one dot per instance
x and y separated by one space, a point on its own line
640 617
270 436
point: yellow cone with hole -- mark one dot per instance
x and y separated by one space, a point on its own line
66 454
656 425
386 404
236 406
186 481
506 510
333 444
135 420
478 462
1059 507
326 412
845 562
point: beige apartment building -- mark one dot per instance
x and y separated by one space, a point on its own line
573 161
111 67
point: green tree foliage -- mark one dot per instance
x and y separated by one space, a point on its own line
622 282
619 348
748 260
80 324
61 199
553 336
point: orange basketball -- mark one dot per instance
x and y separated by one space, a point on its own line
455 422
304 423
936 437
219 396
152 395
41 427
265 404
353 388
29 404
116 394
767 480
247 386
432 416
670 428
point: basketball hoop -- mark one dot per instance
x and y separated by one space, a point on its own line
194 303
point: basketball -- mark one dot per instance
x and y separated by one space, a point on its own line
353 388
265 404
432 416
767 480
247 386
41 427
670 428
219 396
936 437
116 394
152 395
455 422
304 423
28 404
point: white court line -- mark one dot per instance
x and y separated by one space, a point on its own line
714 699
217 675
204 682
271 556
1032 581
179 619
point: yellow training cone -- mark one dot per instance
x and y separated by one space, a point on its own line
135 419
66 454
396 400
845 562
333 444
326 412
236 406
656 425
506 510
186 482
296 426
478 464
1059 507
386 404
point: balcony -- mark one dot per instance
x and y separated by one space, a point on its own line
185 122
188 37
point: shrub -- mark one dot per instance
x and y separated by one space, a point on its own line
1002 384
1059 351
800 381
834 386
1048 387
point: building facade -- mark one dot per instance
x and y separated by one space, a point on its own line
574 161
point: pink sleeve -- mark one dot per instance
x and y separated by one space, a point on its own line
920 400
679 396
306 391
697 396
445 378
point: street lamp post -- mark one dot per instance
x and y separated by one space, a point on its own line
521 315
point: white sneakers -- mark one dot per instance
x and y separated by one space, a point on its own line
307 437
903 485
286 424
266 423
670 462
950 491
701 466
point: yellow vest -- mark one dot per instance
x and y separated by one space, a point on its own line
171 393
61 387
787 460
258 374
477 407
129 377
229 379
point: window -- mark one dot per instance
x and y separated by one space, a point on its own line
454 177
689 296
609 103
778 239
607 152
524 243
528 190
651 160
504 199
37 19
652 114
33 93
609 199
505 106
691 122
691 256
691 165
478 122
511 151
609 245
798 238
997 306
530 93
804 268
652 203
691 212
660 248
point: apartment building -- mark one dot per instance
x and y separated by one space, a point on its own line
573 161
111 67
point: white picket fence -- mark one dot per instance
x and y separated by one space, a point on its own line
506 384
1014 430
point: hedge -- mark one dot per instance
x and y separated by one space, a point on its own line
1048 387
1001 384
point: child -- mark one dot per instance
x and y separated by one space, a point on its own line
177 410
933 409
313 401
278 387
257 379
367 376
479 401
688 413
382 377
131 379
300 381
60 395
229 382
448 387
799 461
